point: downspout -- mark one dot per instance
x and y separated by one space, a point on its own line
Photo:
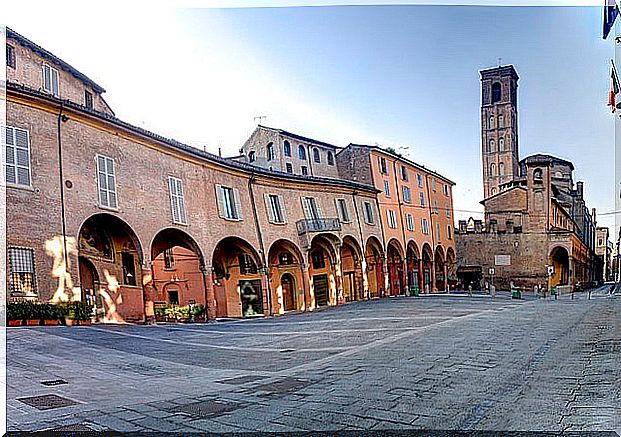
260 238
61 119
433 242
362 245
401 217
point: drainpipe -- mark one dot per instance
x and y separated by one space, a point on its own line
62 118
433 242
261 245
362 245
401 217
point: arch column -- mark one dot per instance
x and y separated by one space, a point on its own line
210 296
433 274
338 273
268 307
421 283
305 285
149 292
386 273
445 270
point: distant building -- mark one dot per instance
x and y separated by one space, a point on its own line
603 250
535 216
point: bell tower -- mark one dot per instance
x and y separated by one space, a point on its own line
499 127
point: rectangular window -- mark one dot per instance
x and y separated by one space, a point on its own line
446 190
425 226
435 206
106 179
304 170
16 143
392 219
247 266
50 80
285 258
289 167
433 184
319 260
421 197
229 205
341 207
274 204
404 173
449 232
407 195
448 211
177 201
22 271
382 165
420 179
438 236
10 56
387 188
88 99
169 259
409 219
129 268
369 219
311 208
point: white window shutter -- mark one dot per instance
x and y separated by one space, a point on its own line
283 210
306 208
338 210
172 187
220 200
268 208
319 213
238 207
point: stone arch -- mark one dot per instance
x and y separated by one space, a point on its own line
440 268
374 267
395 257
427 264
559 258
324 270
352 270
414 270
451 268
285 258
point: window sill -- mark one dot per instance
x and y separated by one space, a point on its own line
231 219
21 187
179 223
278 223
108 208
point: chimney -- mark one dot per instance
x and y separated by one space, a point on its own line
594 216
580 188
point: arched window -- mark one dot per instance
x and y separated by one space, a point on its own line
492 124
492 146
270 151
301 152
316 156
252 156
492 170
501 145
286 148
501 169
330 158
501 121
493 191
496 92
538 175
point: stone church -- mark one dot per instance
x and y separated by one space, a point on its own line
536 222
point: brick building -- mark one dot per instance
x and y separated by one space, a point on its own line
534 214
604 252
102 211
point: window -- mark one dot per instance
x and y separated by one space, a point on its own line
496 92
301 152
274 205
129 268
492 170
433 184
252 156
404 173
330 158
501 169
311 208
247 266
386 188
448 211
491 122
341 207
425 226
501 145
289 167
421 197
169 259
316 156
16 143
369 219
493 191
409 220
407 195
501 121
438 236
446 190
492 146
435 206
305 170
22 270
10 56
173 297
106 178
286 148
88 99
177 201
270 151
449 232
50 80
285 258
229 205
538 175
420 180
382 165
392 219
319 260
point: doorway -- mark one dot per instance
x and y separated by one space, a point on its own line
320 285
288 291
89 281
251 298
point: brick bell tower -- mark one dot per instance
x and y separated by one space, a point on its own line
499 128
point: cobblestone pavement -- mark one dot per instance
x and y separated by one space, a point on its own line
432 362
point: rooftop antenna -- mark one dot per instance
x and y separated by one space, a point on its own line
499 62
260 118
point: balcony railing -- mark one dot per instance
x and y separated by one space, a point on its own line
318 225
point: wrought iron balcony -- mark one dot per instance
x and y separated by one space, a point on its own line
318 225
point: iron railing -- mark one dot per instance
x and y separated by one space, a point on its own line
305 226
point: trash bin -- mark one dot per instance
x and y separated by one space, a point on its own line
516 293
553 291
416 290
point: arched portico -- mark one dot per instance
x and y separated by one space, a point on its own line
440 269
428 270
559 259
414 266
286 277
395 257
451 268
351 268
324 271
374 268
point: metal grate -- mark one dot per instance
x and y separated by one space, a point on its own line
54 382
241 379
76 427
284 386
210 408
47 402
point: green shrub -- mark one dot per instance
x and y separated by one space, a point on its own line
198 311
79 311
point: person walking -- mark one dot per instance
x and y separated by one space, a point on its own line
470 289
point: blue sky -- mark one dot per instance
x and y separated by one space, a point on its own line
400 76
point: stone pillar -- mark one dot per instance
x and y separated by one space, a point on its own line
386 273
433 275
338 273
210 298
268 304
149 292
308 293
445 276
421 281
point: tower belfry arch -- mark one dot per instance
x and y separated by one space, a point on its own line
499 127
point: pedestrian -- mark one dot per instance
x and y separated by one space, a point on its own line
536 290
470 289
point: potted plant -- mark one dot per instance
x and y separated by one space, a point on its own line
15 314
196 312
51 314
32 314
82 313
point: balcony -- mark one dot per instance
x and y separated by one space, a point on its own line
306 226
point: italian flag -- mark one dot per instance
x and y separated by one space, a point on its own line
614 88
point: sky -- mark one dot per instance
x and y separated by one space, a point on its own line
404 76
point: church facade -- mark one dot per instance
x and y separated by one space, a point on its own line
536 228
